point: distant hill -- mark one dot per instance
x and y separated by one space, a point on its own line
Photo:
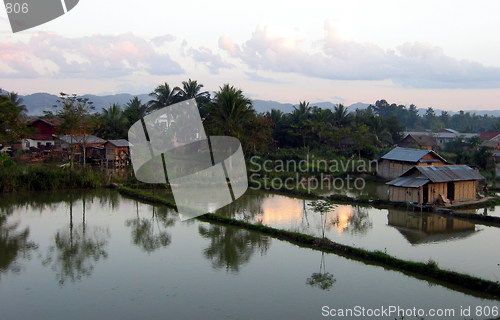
39 102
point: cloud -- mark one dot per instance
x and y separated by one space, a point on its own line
96 56
338 99
411 64
212 61
256 77
161 40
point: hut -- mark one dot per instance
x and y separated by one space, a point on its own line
117 152
42 133
82 145
418 140
446 184
399 160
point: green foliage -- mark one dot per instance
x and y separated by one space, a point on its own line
162 96
112 123
6 161
134 111
19 178
74 112
12 128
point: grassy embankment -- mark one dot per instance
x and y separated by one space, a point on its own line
426 271
39 178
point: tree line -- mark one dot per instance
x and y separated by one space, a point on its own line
229 111
462 121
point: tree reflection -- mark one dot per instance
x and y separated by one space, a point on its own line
77 248
322 279
360 221
149 234
232 247
14 244
246 207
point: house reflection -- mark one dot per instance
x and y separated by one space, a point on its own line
420 228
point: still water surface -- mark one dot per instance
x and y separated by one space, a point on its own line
455 244
98 255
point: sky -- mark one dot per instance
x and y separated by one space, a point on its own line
442 54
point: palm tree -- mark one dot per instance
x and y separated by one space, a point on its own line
18 102
163 96
134 110
191 90
341 115
114 122
232 110
302 113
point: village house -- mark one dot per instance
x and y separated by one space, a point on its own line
117 152
445 184
492 143
433 140
399 160
43 131
418 141
94 146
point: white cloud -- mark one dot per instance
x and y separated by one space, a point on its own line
96 56
417 65
211 60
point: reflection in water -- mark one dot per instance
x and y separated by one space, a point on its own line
322 279
148 233
232 247
13 245
340 218
76 249
281 210
50 200
419 227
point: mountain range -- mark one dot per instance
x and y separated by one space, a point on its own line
39 102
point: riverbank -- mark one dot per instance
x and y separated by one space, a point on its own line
429 271
41 178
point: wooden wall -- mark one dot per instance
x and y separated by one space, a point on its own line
113 152
400 194
388 169
464 191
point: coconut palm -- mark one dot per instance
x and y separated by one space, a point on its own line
302 113
18 102
191 90
231 111
134 110
342 117
114 122
163 96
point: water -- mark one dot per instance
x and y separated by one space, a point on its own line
454 244
492 211
98 255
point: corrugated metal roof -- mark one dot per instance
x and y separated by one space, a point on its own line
409 182
77 139
119 143
449 173
406 154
